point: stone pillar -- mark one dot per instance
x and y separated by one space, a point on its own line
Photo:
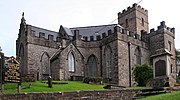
19 87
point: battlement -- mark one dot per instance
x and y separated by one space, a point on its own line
51 36
130 9
44 34
162 27
117 30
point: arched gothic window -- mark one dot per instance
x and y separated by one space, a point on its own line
108 62
92 66
160 68
138 55
45 64
71 62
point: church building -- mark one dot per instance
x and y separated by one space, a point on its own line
106 51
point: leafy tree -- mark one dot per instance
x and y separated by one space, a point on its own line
178 55
143 74
177 62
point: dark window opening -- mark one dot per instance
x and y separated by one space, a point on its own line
127 24
142 21
171 68
92 66
169 45
160 68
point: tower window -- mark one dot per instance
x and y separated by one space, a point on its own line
127 24
171 68
142 21
169 45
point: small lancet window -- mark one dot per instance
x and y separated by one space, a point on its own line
169 45
171 68
127 24
142 21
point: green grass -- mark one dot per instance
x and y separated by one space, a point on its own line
42 87
138 87
167 96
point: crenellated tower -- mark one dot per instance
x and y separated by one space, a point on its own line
134 19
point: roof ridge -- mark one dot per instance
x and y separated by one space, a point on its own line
94 26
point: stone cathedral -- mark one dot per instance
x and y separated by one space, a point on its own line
107 51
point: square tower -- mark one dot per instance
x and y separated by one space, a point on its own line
134 19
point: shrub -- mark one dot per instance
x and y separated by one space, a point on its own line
143 74
86 80
95 80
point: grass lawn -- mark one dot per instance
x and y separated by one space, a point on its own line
138 87
42 87
167 96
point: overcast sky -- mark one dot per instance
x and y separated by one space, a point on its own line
50 14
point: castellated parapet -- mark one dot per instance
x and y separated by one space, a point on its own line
134 19
117 30
43 37
130 9
162 28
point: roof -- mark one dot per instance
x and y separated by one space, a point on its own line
83 31
93 30
37 30
161 52
12 60
68 31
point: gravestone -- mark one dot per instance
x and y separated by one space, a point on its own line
49 82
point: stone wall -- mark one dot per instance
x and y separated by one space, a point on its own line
77 95
123 57
35 63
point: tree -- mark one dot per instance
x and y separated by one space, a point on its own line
178 64
143 74
178 55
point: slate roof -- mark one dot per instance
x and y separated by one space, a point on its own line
37 30
92 30
84 31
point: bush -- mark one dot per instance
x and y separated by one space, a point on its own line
86 80
143 74
95 80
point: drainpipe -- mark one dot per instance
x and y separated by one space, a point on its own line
129 54
101 61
